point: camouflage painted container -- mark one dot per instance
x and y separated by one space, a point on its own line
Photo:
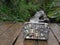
39 31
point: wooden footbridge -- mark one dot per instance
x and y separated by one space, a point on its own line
11 34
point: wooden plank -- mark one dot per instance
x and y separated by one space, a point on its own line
5 26
42 42
1 23
20 40
56 31
10 35
52 40
29 42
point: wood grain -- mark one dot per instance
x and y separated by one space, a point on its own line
56 31
9 36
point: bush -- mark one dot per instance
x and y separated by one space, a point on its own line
53 11
17 10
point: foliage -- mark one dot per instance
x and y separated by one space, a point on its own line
22 10
52 11
17 10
